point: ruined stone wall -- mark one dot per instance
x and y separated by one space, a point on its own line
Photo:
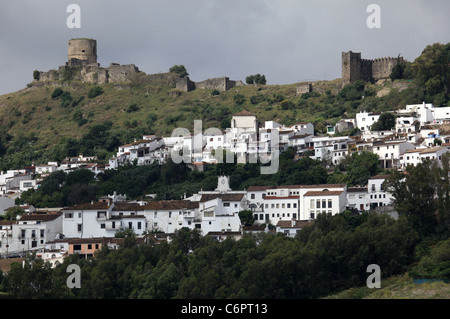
220 84
121 73
354 68
304 88
185 84
382 67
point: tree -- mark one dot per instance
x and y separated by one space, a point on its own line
414 193
385 122
239 99
246 217
180 70
95 91
256 79
431 70
56 93
356 169
80 176
398 70
36 75
13 212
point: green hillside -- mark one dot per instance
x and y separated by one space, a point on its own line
34 124
39 123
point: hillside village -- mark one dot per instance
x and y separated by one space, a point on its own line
419 134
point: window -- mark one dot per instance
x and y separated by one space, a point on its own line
130 225
89 246
324 203
226 204
318 203
139 225
288 205
252 196
283 205
311 204
102 226
330 203
42 233
80 227
294 205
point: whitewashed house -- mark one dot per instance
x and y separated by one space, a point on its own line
378 196
357 198
292 227
30 232
220 213
365 120
389 152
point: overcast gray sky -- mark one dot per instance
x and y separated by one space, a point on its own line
287 40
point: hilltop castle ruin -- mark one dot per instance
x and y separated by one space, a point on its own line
354 68
82 65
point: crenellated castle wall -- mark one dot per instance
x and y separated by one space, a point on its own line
82 66
354 68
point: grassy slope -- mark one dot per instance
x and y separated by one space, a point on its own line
33 109
400 287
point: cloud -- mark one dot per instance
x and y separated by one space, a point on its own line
287 40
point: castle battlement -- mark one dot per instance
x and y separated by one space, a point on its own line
82 66
354 68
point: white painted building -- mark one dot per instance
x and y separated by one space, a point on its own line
378 196
389 152
323 202
29 233
365 120
357 198
292 227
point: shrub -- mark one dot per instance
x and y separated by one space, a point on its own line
239 99
95 91
57 93
36 75
133 108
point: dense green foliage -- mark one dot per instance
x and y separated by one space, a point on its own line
41 125
385 122
256 79
180 70
421 193
328 256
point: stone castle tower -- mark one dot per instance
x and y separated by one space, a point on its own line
82 51
82 66
354 68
